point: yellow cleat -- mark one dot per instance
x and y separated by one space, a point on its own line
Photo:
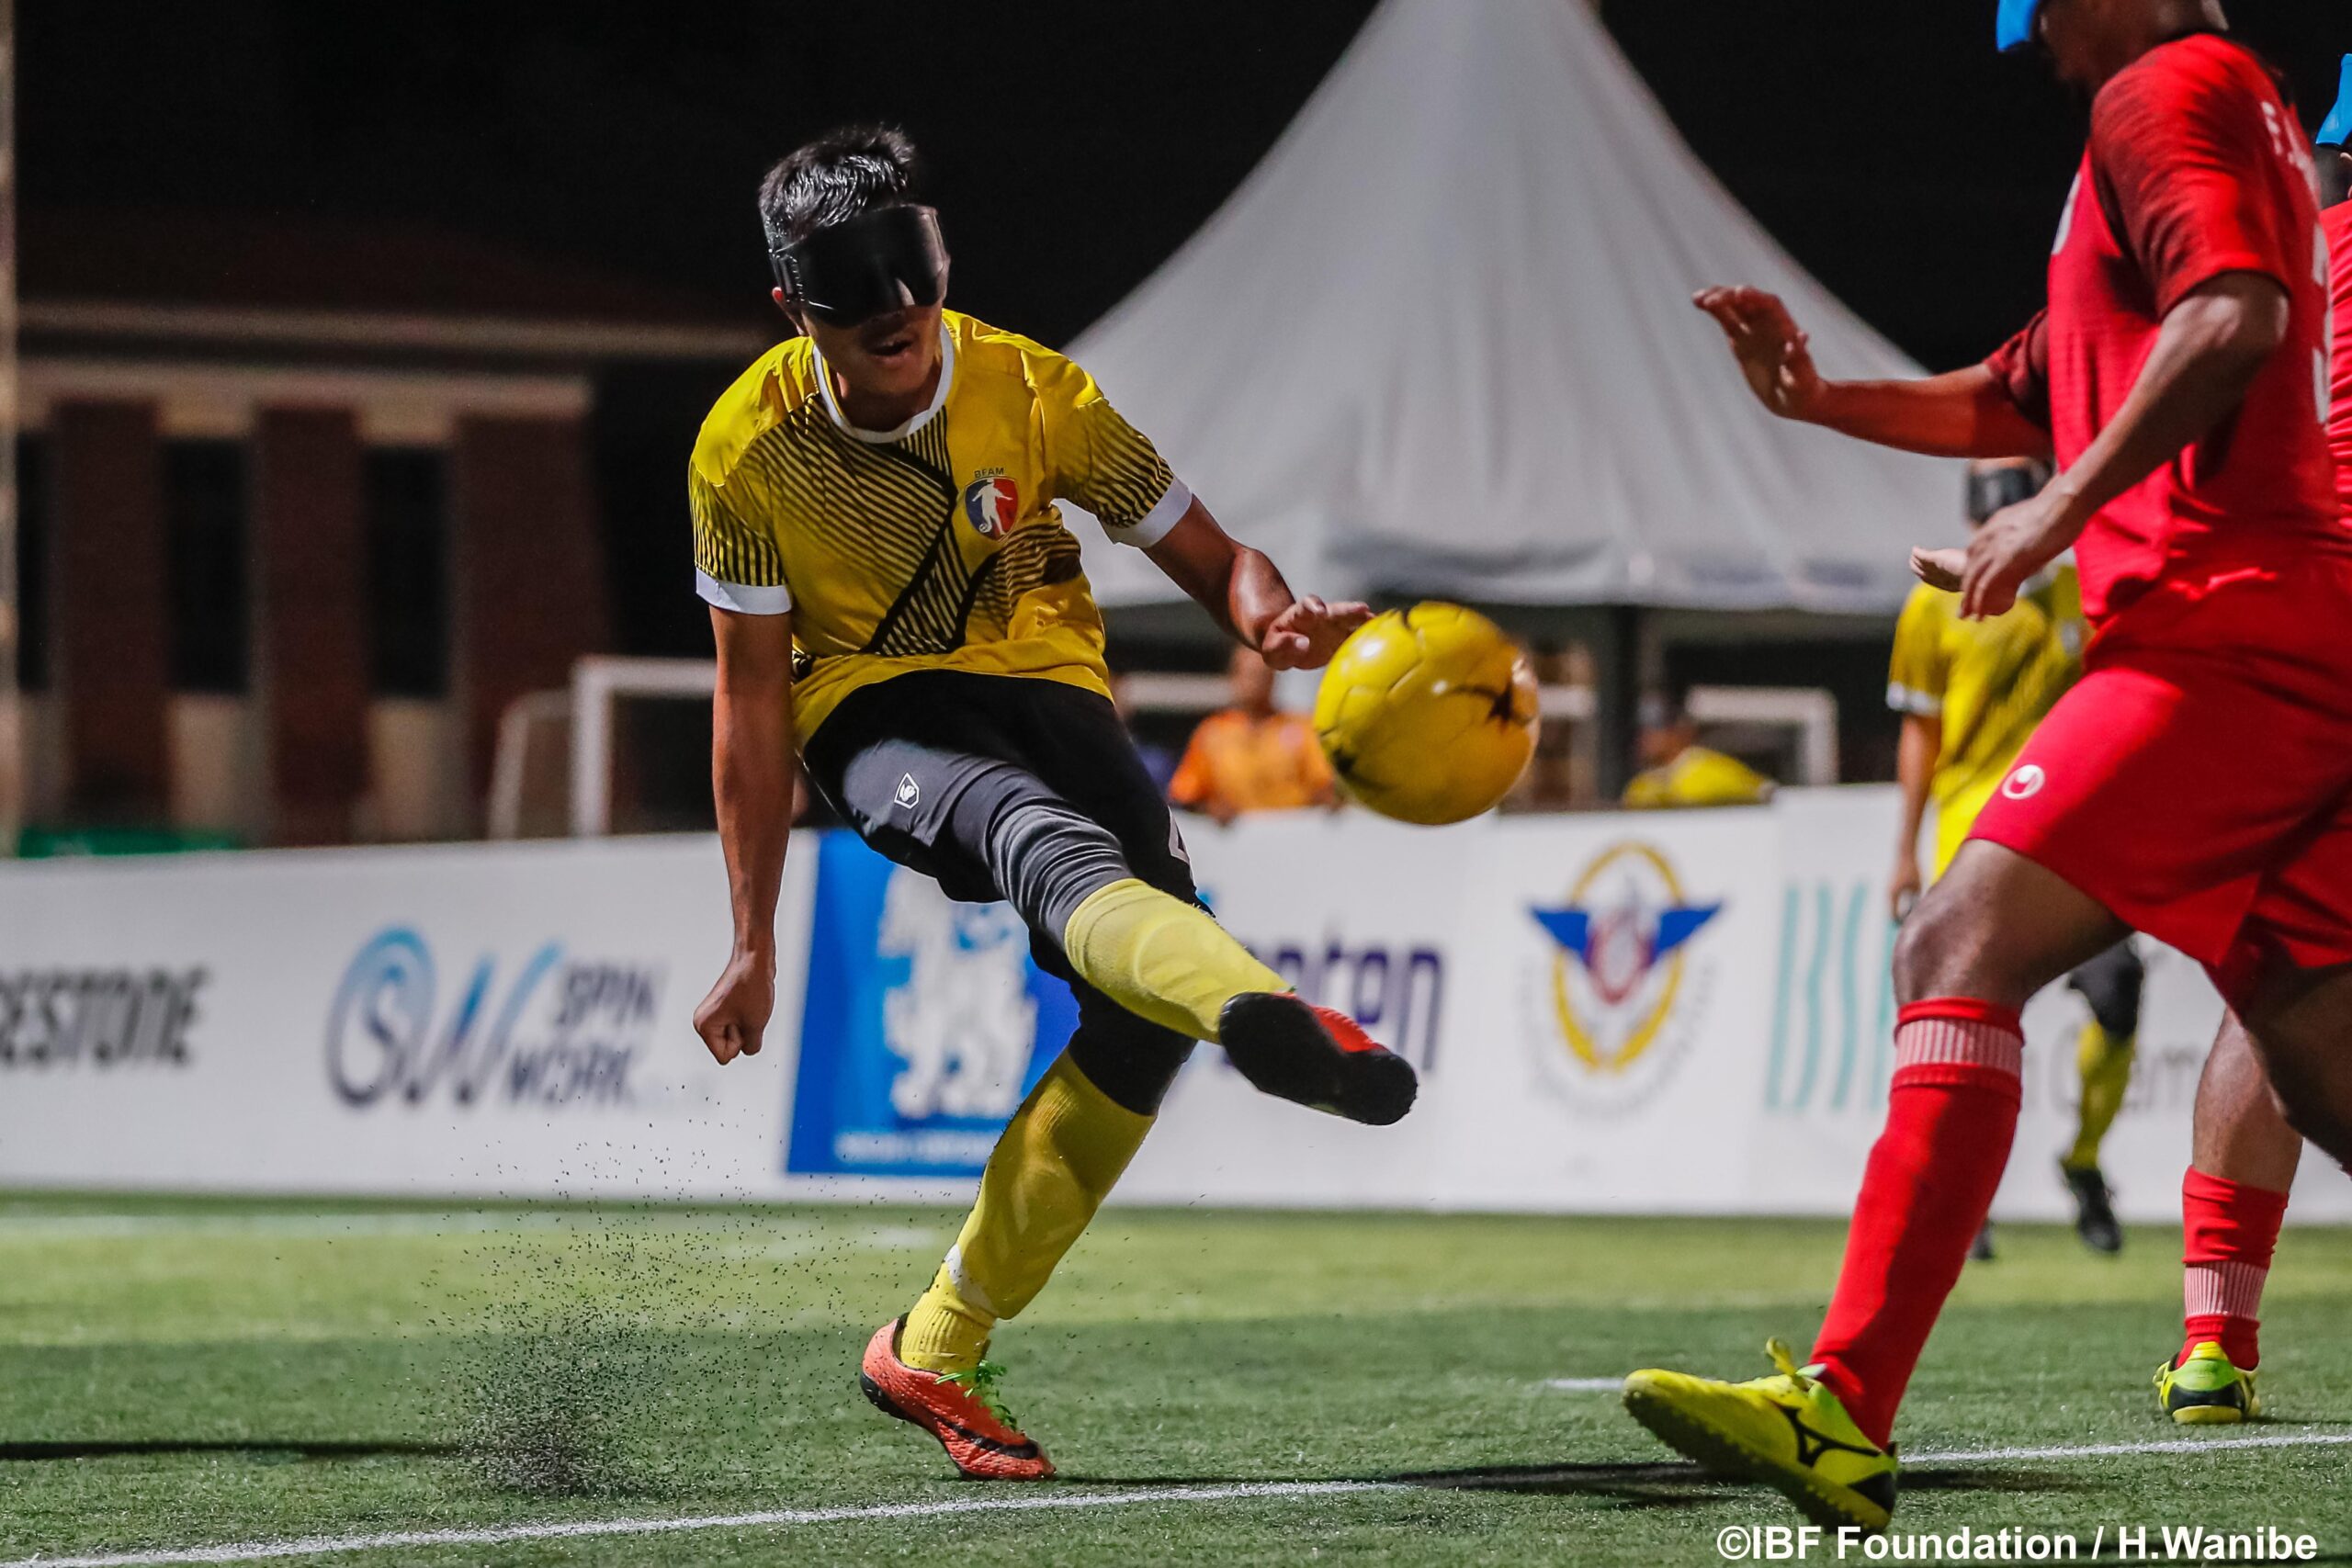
1787 1430
2206 1390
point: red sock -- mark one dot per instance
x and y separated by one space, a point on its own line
2229 1231
1951 1114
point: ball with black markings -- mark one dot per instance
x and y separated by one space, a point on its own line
1428 715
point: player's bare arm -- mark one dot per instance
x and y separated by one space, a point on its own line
1963 413
752 770
1246 596
2212 346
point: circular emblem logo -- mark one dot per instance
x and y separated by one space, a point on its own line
1615 989
992 506
2024 783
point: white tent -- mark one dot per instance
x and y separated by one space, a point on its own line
1440 341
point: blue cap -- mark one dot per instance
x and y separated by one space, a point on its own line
2015 29
2337 130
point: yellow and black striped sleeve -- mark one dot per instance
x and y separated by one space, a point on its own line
737 565
1106 465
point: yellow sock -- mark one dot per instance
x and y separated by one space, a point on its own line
1060 1156
2105 1062
1161 958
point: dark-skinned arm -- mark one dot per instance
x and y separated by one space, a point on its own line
1962 414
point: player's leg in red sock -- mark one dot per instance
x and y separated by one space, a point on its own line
1992 933
2229 1232
2232 1199
1950 1116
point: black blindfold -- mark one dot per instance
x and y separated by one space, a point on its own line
1995 490
877 262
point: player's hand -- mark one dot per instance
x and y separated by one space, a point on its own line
1773 354
1306 635
733 1017
2013 543
1946 569
1903 888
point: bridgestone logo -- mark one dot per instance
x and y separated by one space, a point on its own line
61 1020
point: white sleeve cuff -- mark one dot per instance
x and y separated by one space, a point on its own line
1154 524
742 597
1903 699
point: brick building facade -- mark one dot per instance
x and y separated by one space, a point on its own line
298 531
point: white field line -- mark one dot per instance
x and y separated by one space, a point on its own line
498 1535
261 1551
2109 1451
1585 1385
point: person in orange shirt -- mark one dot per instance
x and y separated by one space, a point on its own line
1252 756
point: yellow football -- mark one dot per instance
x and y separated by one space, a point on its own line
1428 715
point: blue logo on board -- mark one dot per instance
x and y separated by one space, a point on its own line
921 1029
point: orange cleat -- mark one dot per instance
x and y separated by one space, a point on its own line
1316 1057
960 1409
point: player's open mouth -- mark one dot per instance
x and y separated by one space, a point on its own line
892 349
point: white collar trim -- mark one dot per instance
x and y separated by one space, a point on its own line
883 437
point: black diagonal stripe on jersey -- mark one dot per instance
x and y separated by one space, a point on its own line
924 453
1035 557
857 502
928 448
929 614
793 471
928 617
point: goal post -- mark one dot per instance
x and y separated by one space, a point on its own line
1806 715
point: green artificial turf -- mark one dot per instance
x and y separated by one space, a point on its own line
180 1374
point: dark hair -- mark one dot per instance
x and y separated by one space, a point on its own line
853 170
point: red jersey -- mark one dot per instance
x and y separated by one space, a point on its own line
2336 223
2195 169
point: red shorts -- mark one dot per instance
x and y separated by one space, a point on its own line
2198 781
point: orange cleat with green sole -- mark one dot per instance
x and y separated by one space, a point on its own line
961 1409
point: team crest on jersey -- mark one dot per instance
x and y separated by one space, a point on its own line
1617 1000
993 505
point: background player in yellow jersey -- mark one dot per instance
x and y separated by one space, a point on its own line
1970 693
1678 771
892 590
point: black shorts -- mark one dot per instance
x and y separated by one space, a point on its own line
2113 984
918 764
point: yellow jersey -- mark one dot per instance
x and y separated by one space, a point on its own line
936 545
1989 681
1699 777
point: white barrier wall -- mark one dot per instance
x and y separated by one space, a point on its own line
1660 1013
472 1020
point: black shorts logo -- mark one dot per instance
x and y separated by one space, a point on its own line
909 794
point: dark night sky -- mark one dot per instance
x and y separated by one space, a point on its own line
1075 142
